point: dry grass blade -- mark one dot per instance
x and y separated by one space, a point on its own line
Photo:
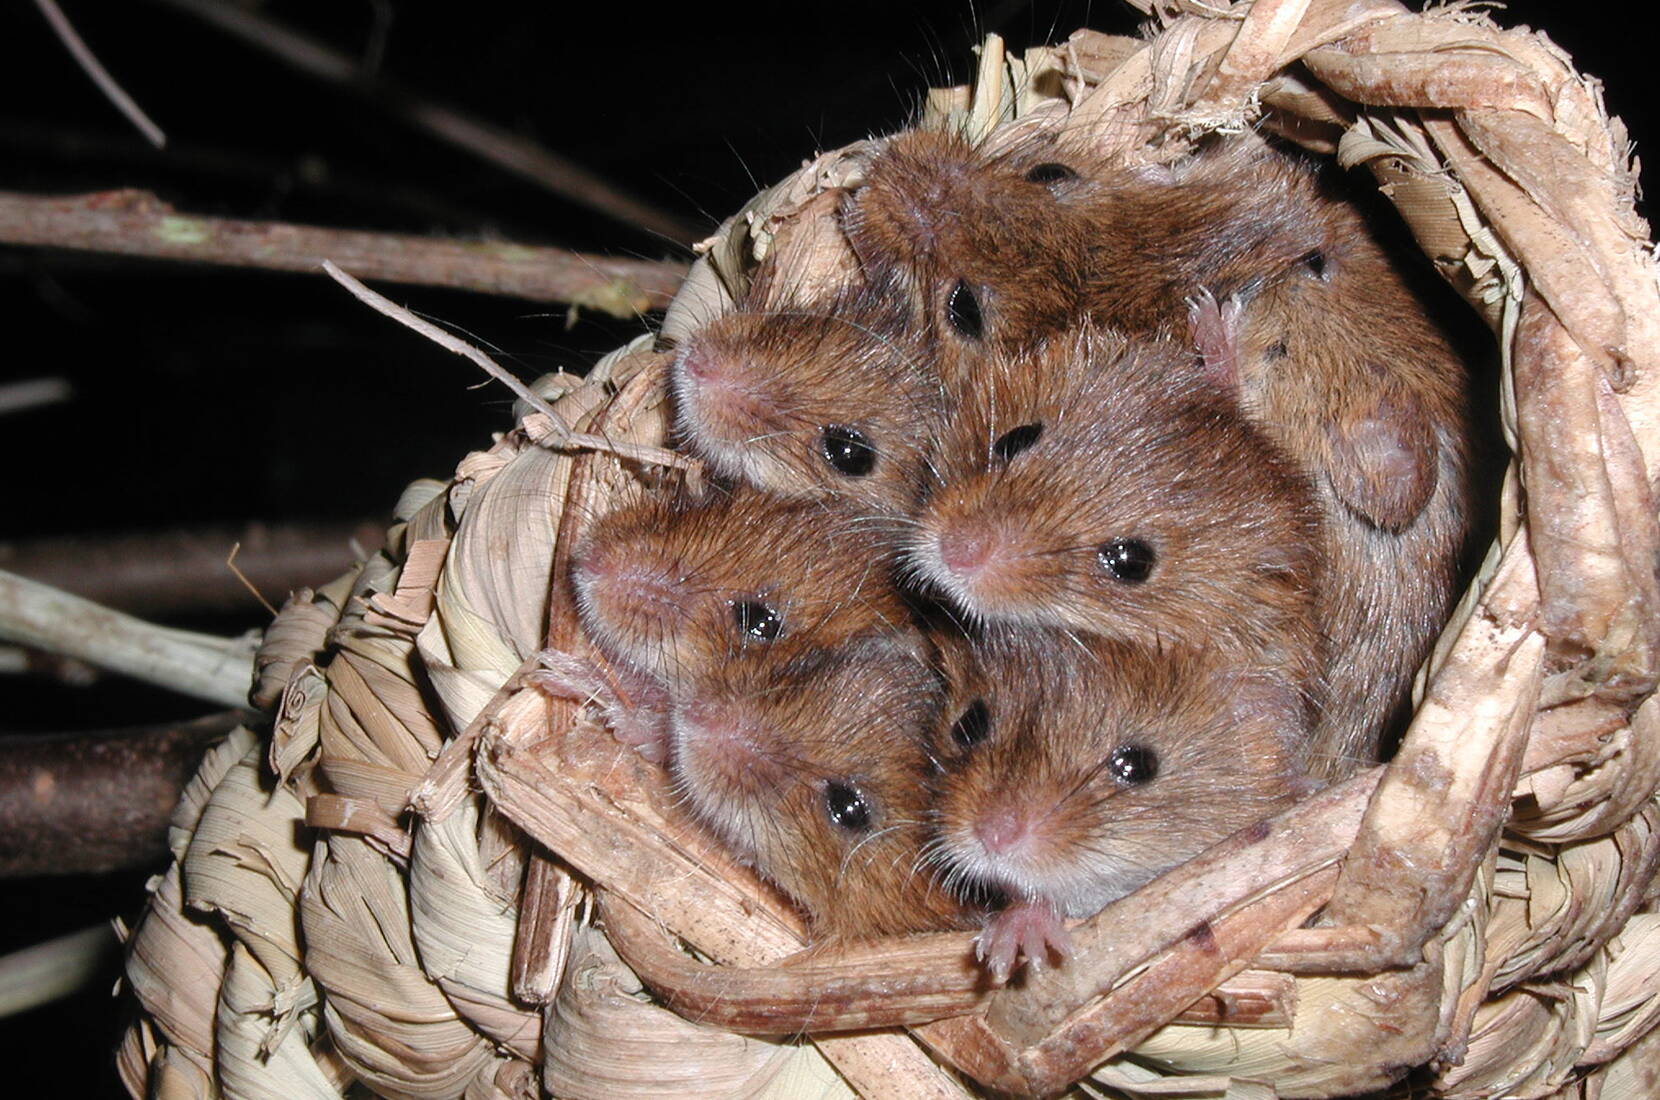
561 432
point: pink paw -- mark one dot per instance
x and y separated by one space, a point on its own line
638 718
1215 330
1030 930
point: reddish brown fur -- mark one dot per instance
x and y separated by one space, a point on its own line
1135 444
757 388
1346 372
1226 736
1345 369
1127 246
758 740
658 585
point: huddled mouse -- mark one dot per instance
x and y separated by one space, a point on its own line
1105 511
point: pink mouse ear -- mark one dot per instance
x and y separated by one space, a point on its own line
1384 459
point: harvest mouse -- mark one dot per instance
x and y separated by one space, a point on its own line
813 765
1075 769
1010 248
831 399
676 585
1110 486
1339 361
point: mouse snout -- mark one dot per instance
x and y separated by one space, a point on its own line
1003 830
965 549
610 586
727 744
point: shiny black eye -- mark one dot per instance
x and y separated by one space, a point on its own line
847 807
1129 560
1050 173
1316 262
974 726
1015 440
756 621
962 309
847 450
1133 765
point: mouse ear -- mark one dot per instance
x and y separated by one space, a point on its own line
1384 458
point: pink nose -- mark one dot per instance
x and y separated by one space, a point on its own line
699 364
1001 829
964 549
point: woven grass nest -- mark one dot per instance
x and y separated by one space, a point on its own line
458 886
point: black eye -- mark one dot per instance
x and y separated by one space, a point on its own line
1316 262
847 807
756 621
962 309
1050 173
973 726
848 450
1015 440
1133 765
1129 560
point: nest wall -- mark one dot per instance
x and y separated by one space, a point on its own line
410 904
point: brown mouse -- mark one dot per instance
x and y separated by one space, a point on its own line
1111 486
1008 248
679 582
826 400
1339 360
1075 769
813 765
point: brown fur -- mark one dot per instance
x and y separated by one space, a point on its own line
658 585
756 390
1136 443
1228 741
756 743
1345 369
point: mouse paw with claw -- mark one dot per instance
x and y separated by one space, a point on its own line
633 712
1031 931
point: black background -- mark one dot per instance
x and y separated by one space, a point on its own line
207 395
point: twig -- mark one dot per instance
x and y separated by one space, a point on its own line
219 670
98 801
505 150
562 433
183 570
41 974
136 223
100 76
17 396
230 563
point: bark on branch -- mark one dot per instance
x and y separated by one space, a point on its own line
96 802
136 223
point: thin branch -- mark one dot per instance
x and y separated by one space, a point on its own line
183 570
501 148
220 670
562 433
136 223
100 76
98 801
33 393
42 973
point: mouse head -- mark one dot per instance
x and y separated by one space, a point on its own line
1074 770
813 765
1111 487
677 585
1337 355
829 401
980 244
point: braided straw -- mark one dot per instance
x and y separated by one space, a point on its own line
1483 899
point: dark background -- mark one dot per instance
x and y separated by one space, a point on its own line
211 395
